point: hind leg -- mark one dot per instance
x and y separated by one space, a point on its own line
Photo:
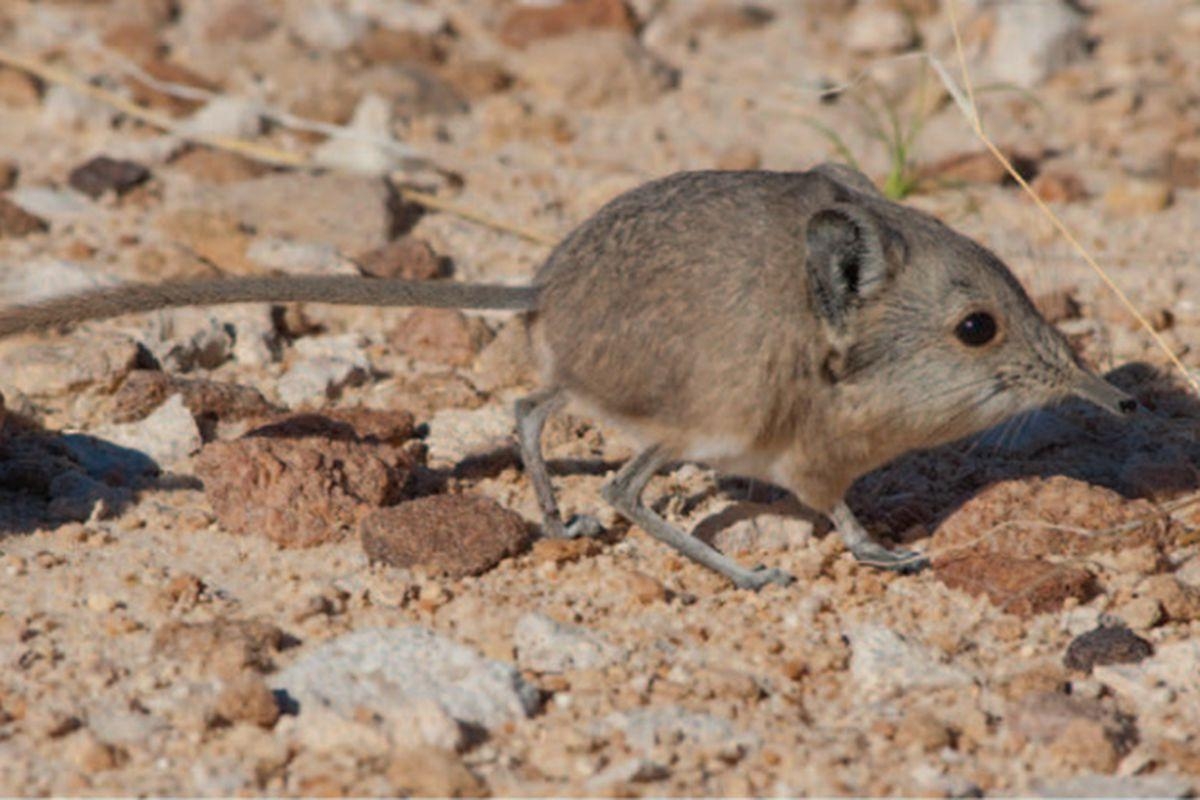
532 413
624 493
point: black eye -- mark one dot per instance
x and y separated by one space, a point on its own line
976 329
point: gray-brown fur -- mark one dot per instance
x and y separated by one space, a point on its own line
793 327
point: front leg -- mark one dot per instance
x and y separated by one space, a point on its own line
624 493
869 551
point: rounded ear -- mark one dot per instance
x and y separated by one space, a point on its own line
845 261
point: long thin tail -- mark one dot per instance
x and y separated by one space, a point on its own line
130 298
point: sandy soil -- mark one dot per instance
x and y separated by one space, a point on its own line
160 624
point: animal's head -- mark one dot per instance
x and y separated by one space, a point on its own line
928 332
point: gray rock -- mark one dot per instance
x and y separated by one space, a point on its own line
545 645
1095 785
883 663
1032 41
386 670
168 435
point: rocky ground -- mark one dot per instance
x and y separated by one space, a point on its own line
253 550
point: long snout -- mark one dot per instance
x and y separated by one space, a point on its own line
1099 391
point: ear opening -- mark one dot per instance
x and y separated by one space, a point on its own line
844 260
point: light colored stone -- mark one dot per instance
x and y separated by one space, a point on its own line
386 670
297 257
768 531
1094 785
169 435
456 433
57 206
367 147
235 117
1189 572
545 645
883 663
648 729
326 27
42 278
1032 41
878 28
1134 196
324 366
1141 614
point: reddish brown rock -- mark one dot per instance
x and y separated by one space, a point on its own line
452 534
1030 518
1022 586
407 257
145 390
525 24
442 335
16 221
306 479
226 647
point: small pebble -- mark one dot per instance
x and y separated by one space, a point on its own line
103 174
1112 644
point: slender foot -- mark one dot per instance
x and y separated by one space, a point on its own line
624 492
870 552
